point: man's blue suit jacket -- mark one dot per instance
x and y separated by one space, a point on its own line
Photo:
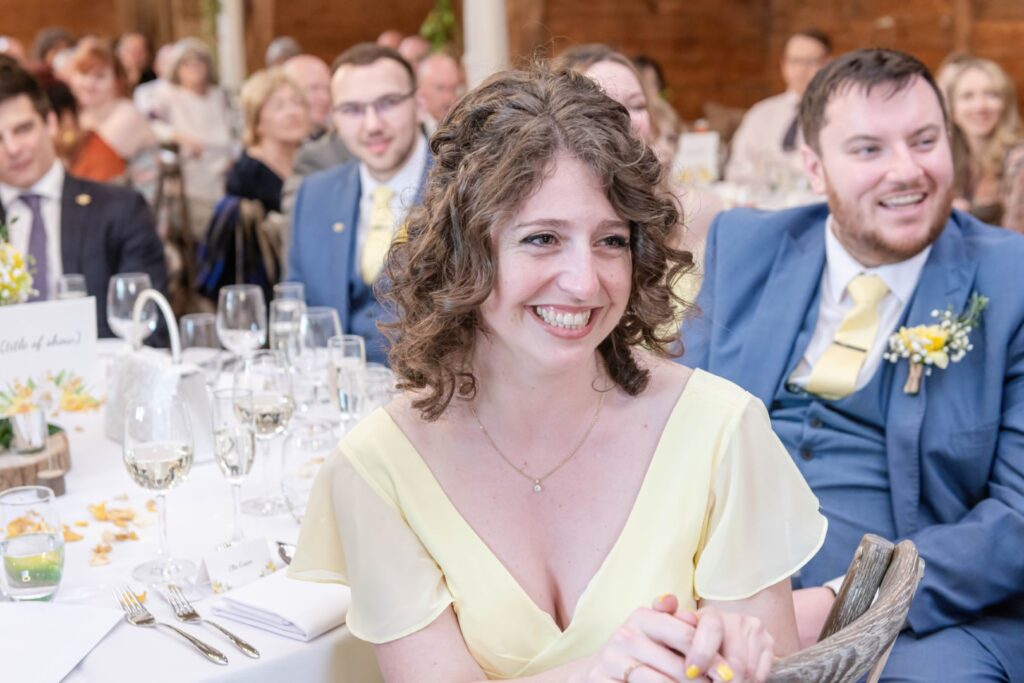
323 241
956 449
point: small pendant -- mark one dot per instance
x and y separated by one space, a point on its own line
537 488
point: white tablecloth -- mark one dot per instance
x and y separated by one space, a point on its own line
198 520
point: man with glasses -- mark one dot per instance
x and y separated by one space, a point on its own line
345 217
769 136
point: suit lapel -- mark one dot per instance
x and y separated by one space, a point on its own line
788 292
72 225
946 280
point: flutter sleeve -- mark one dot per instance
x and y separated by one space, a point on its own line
354 533
763 522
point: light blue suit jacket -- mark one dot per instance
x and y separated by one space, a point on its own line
956 449
323 242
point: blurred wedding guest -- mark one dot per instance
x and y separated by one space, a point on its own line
504 517
48 42
67 224
83 152
98 82
145 94
313 76
133 53
276 119
345 217
439 80
62 62
769 136
668 127
414 48
983 106
390 38
280 50
651 74
12 47
194 112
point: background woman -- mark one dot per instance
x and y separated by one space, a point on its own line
544 478
97 81
194 112
276 119
983 107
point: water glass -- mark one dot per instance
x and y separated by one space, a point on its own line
158 447
284 326
71 286
378 388
305 449
31 543
241 319
199 343
123 290
348 360
234 445
295 291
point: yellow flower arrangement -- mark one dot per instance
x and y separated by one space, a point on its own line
15 277
935 346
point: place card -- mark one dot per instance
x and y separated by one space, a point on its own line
696 161
236 565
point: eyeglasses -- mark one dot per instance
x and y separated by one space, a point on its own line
381 106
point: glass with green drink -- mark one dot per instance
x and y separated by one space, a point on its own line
31 543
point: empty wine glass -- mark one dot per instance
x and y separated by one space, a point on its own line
295 291
123 290
71 286
267 376
158 456
348 360
284 326
241 319
199 343
312 366
234 445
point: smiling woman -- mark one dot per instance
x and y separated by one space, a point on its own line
547 474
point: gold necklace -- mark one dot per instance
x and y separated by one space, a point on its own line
538 482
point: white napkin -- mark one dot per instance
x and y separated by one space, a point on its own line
50 638
297 609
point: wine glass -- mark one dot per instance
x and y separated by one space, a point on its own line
31 543
348 360
71 286
295 291
158 456
234 445
284 326
199 343
241 319
378 388
122 291
267 376
312 366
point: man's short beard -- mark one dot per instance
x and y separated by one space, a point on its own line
871 241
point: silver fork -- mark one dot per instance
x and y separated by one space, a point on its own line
137 615
186 613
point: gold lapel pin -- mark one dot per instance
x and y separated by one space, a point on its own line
339 227
83 199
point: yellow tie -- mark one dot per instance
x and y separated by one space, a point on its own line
835 374
378 238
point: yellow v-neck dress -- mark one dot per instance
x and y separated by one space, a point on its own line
722 513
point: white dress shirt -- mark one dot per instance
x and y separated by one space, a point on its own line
405 184
757 144
19 218
840 269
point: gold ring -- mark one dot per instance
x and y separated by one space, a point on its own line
630 669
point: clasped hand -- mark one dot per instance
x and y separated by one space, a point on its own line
665 643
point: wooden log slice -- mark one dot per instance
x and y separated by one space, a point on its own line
18 469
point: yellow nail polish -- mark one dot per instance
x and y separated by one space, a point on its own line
725 672
692 672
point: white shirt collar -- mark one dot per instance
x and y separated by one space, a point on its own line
50 186
841 268
407 178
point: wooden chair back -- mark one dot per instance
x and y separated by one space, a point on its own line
861 629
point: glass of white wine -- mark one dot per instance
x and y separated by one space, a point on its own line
241 319
158 456
234 445
267 376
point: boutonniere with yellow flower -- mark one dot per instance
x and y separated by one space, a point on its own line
15 276
926 347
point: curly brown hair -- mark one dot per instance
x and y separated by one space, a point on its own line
492 152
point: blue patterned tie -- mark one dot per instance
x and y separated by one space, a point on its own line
37 246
